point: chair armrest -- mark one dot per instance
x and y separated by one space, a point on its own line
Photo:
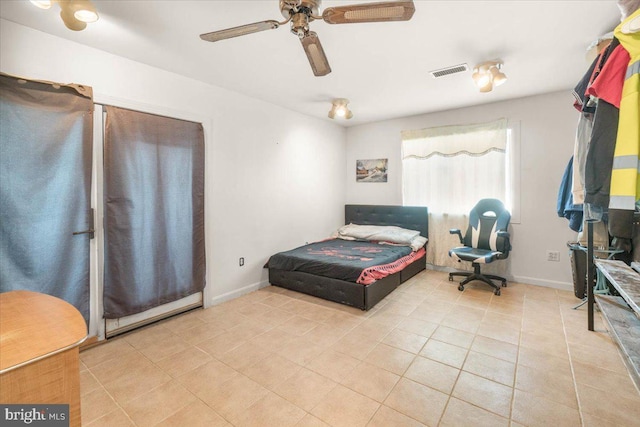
457 231
507 243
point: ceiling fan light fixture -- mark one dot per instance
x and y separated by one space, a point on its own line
339 108
42 4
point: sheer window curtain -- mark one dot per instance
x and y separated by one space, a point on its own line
154 211
448 169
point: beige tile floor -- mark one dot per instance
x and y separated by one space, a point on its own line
426 355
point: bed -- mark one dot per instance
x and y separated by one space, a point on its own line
338 282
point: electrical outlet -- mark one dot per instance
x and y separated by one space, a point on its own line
241 262
553 256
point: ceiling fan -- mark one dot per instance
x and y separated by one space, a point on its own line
301 12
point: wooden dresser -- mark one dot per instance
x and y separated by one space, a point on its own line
39 351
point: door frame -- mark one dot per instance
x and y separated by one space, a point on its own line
98 326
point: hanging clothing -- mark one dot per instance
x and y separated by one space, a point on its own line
609 82
565 206
607 88
599 162
625 180
580 149
586 104
580 91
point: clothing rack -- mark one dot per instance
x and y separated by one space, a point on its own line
626 34
590 264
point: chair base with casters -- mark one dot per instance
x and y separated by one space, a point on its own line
477 275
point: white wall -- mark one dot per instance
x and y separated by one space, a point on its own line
274 178
271 170
547 130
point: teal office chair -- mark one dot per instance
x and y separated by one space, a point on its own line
485 241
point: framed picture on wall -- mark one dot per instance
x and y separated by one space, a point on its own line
371 170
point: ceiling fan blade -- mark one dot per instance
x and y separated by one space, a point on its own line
315 54
240 31
370 12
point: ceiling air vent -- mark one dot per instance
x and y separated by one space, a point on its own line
449 70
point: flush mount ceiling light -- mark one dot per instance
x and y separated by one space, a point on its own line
74 13
339 108
488 74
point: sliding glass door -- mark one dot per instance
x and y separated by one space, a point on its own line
141 174
153 213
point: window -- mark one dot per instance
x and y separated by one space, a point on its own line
448 169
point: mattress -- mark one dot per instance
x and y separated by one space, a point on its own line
351 261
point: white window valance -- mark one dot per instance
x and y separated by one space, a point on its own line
449 141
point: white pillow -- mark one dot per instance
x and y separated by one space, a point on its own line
388 233
418 242
336 235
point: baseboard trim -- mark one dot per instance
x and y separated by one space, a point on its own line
89 342
237 293
520 279
564 286
442 268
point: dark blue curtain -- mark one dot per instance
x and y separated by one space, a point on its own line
154 211
45 188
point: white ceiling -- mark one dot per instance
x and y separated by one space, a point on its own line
381 67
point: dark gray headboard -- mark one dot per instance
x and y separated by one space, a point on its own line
410 217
